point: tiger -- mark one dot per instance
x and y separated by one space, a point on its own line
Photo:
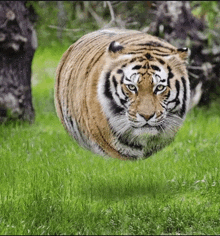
122 93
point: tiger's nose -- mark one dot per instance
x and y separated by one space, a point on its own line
147 117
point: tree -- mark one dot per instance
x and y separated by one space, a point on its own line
18 42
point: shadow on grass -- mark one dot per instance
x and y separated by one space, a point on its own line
110 190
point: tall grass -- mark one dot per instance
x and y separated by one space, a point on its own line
50 185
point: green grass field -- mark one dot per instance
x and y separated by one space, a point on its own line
50 185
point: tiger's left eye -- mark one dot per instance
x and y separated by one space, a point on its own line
160 88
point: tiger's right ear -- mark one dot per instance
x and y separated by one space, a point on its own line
183 53
115 47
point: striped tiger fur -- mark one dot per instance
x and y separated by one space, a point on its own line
122 93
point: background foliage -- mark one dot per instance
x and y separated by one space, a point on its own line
75 18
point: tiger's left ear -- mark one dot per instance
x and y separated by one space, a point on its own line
115 47
183 53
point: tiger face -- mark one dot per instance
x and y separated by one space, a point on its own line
140 95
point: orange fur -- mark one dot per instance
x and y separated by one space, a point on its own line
77 79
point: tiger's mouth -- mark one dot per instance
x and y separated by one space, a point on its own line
146 124
137 124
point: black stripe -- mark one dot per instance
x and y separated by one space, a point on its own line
123 101
183 110
155 68
168 95
163 105
122 79
132 60
137 67
142 50
115 108
137 51
113 105
119 71
141 59
71 122
178 90
162 55
161 61
148 56
184 85
128 79
155 44
156 49
107 91
122 82
176 99
115 82
170 76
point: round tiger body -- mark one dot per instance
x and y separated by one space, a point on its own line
122 93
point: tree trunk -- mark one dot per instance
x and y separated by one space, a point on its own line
18 42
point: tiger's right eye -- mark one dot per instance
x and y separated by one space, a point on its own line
131 87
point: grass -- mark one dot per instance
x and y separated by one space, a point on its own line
50 185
